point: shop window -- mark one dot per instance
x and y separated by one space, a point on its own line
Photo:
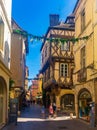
1 109
84 105
67 102
1 33
64 70
1 102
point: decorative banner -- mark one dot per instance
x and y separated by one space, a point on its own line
39 38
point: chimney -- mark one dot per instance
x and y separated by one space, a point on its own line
54 19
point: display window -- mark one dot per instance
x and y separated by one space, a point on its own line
1 104
67 102
84 105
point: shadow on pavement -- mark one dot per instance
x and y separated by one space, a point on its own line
30 119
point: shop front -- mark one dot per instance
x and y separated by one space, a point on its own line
64 99
3 97
84 100
67 102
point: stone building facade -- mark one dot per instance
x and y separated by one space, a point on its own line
5 51
85 54
19 49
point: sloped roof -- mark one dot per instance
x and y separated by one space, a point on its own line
76 5
62 26
15 26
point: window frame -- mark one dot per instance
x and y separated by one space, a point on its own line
1 34
83 57
65 47
63 69
96 6
83 19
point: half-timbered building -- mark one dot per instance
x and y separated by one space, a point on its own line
57 61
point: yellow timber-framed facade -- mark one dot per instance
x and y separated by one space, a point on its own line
56 66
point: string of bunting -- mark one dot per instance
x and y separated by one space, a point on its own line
41 38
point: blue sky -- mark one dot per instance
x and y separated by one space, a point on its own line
33 16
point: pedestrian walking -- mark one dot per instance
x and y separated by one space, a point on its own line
51 110
92 115
54 110
43 111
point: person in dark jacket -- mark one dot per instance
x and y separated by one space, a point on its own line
54 110
51 112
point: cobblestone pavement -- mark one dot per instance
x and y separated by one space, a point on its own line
31 119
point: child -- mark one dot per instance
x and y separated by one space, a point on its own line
51 110
43 112
54 110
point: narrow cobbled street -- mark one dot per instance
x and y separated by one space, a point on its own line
31 119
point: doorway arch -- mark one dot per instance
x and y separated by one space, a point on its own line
84 99
3 97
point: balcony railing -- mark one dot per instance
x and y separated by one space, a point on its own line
49 82
82 75
63 83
